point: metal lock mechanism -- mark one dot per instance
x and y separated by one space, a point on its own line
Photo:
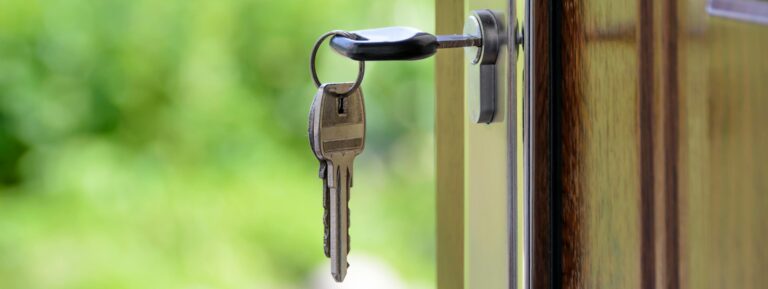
482 77
483 36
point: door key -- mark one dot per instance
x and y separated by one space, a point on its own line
339 136
337 116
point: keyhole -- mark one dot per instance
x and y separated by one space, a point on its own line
341 105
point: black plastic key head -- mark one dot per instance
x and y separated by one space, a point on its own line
390 43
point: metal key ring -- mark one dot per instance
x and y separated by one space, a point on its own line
313 56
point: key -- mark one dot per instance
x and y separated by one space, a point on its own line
322 173
339 138
398 43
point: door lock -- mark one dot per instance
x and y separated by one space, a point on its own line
482 39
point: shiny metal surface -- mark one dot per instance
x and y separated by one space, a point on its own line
483 79
313 57
458 41
472 27
526 260
339 136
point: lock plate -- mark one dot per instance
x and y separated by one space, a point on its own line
482 71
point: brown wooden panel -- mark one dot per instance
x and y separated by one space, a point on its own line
651 168
605 138
541 229
593 109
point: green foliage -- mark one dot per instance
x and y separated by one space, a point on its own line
162 144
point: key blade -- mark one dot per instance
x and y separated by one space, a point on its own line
339 186
457 41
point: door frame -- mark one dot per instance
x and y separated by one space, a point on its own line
478 219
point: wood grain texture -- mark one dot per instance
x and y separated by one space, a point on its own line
669 263
541 227
570 110
723 160
612 147
600 143
602 138
449 136
651 163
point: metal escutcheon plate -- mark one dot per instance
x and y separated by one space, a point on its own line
482 76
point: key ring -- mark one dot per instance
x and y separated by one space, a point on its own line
313 56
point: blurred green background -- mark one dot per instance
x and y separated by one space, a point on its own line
162 144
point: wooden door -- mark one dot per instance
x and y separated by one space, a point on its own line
649 162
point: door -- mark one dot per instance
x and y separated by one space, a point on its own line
635 158
648 159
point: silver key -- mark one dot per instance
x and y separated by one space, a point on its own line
339 137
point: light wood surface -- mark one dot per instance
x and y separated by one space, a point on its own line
723 151
449 138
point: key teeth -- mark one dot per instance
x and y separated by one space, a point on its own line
326 214
323 168
326 235
349 240
326 248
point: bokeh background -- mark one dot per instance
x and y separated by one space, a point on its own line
162 144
